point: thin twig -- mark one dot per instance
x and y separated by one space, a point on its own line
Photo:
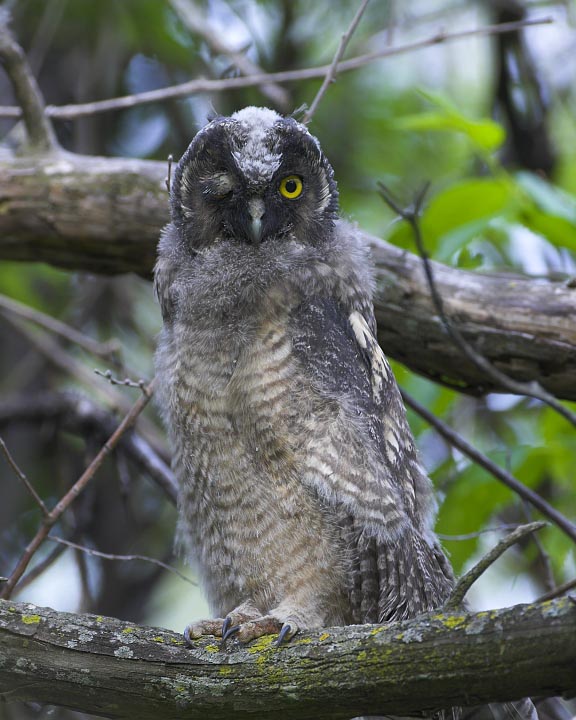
107 350
41 567
330 76
560 590
55 354
75 490
203 85
127 382
532 389
195 20
39 129
477 533
22 477
468 579
122 558
499 473
77 414
549 579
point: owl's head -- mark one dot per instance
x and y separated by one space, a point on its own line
253 177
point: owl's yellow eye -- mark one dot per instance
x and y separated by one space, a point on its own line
291 187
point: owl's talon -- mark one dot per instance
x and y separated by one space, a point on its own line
230 631
187 637
287 632
226 625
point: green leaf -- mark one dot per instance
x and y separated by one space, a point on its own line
548 198
550 211
458 215
485 134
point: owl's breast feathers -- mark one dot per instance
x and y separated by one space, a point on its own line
272 375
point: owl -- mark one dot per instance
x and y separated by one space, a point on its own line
302 500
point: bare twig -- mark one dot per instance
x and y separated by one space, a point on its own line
203 85
195 20
532 389
40 132
41 567
120 558
22 477
107 350
330 76
499 473
560 590
477 533
56 355
75 490
546 563
78 414
115 381
468 579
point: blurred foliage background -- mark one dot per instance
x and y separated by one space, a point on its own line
488 121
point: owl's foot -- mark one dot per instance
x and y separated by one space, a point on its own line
265 625
245 623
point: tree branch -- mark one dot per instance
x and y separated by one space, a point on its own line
195 20
78 414
506 478
465 582
530 389
53 516
330 76
202 85
104 215
41 137
112 668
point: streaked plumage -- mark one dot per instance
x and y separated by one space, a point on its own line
302 499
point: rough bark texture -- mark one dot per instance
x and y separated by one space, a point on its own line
115 669
104 215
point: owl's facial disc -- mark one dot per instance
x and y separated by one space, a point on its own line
251 178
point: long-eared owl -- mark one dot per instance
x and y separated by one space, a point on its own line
302 499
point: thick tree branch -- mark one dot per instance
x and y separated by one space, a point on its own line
115 669
104 215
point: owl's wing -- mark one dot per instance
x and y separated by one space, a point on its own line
362 461
165 271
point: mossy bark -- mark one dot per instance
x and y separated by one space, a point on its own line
115 669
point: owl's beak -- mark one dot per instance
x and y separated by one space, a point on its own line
256 211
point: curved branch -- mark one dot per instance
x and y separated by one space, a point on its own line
79 415
506 478
53 516
203 85
112 668
104 215
41 135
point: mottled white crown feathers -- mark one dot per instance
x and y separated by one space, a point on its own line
255 157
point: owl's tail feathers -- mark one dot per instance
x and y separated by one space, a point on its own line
526 709
517 710
414 576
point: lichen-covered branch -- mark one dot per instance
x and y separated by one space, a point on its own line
104 215
111 668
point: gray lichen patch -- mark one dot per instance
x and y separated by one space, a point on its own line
124 652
